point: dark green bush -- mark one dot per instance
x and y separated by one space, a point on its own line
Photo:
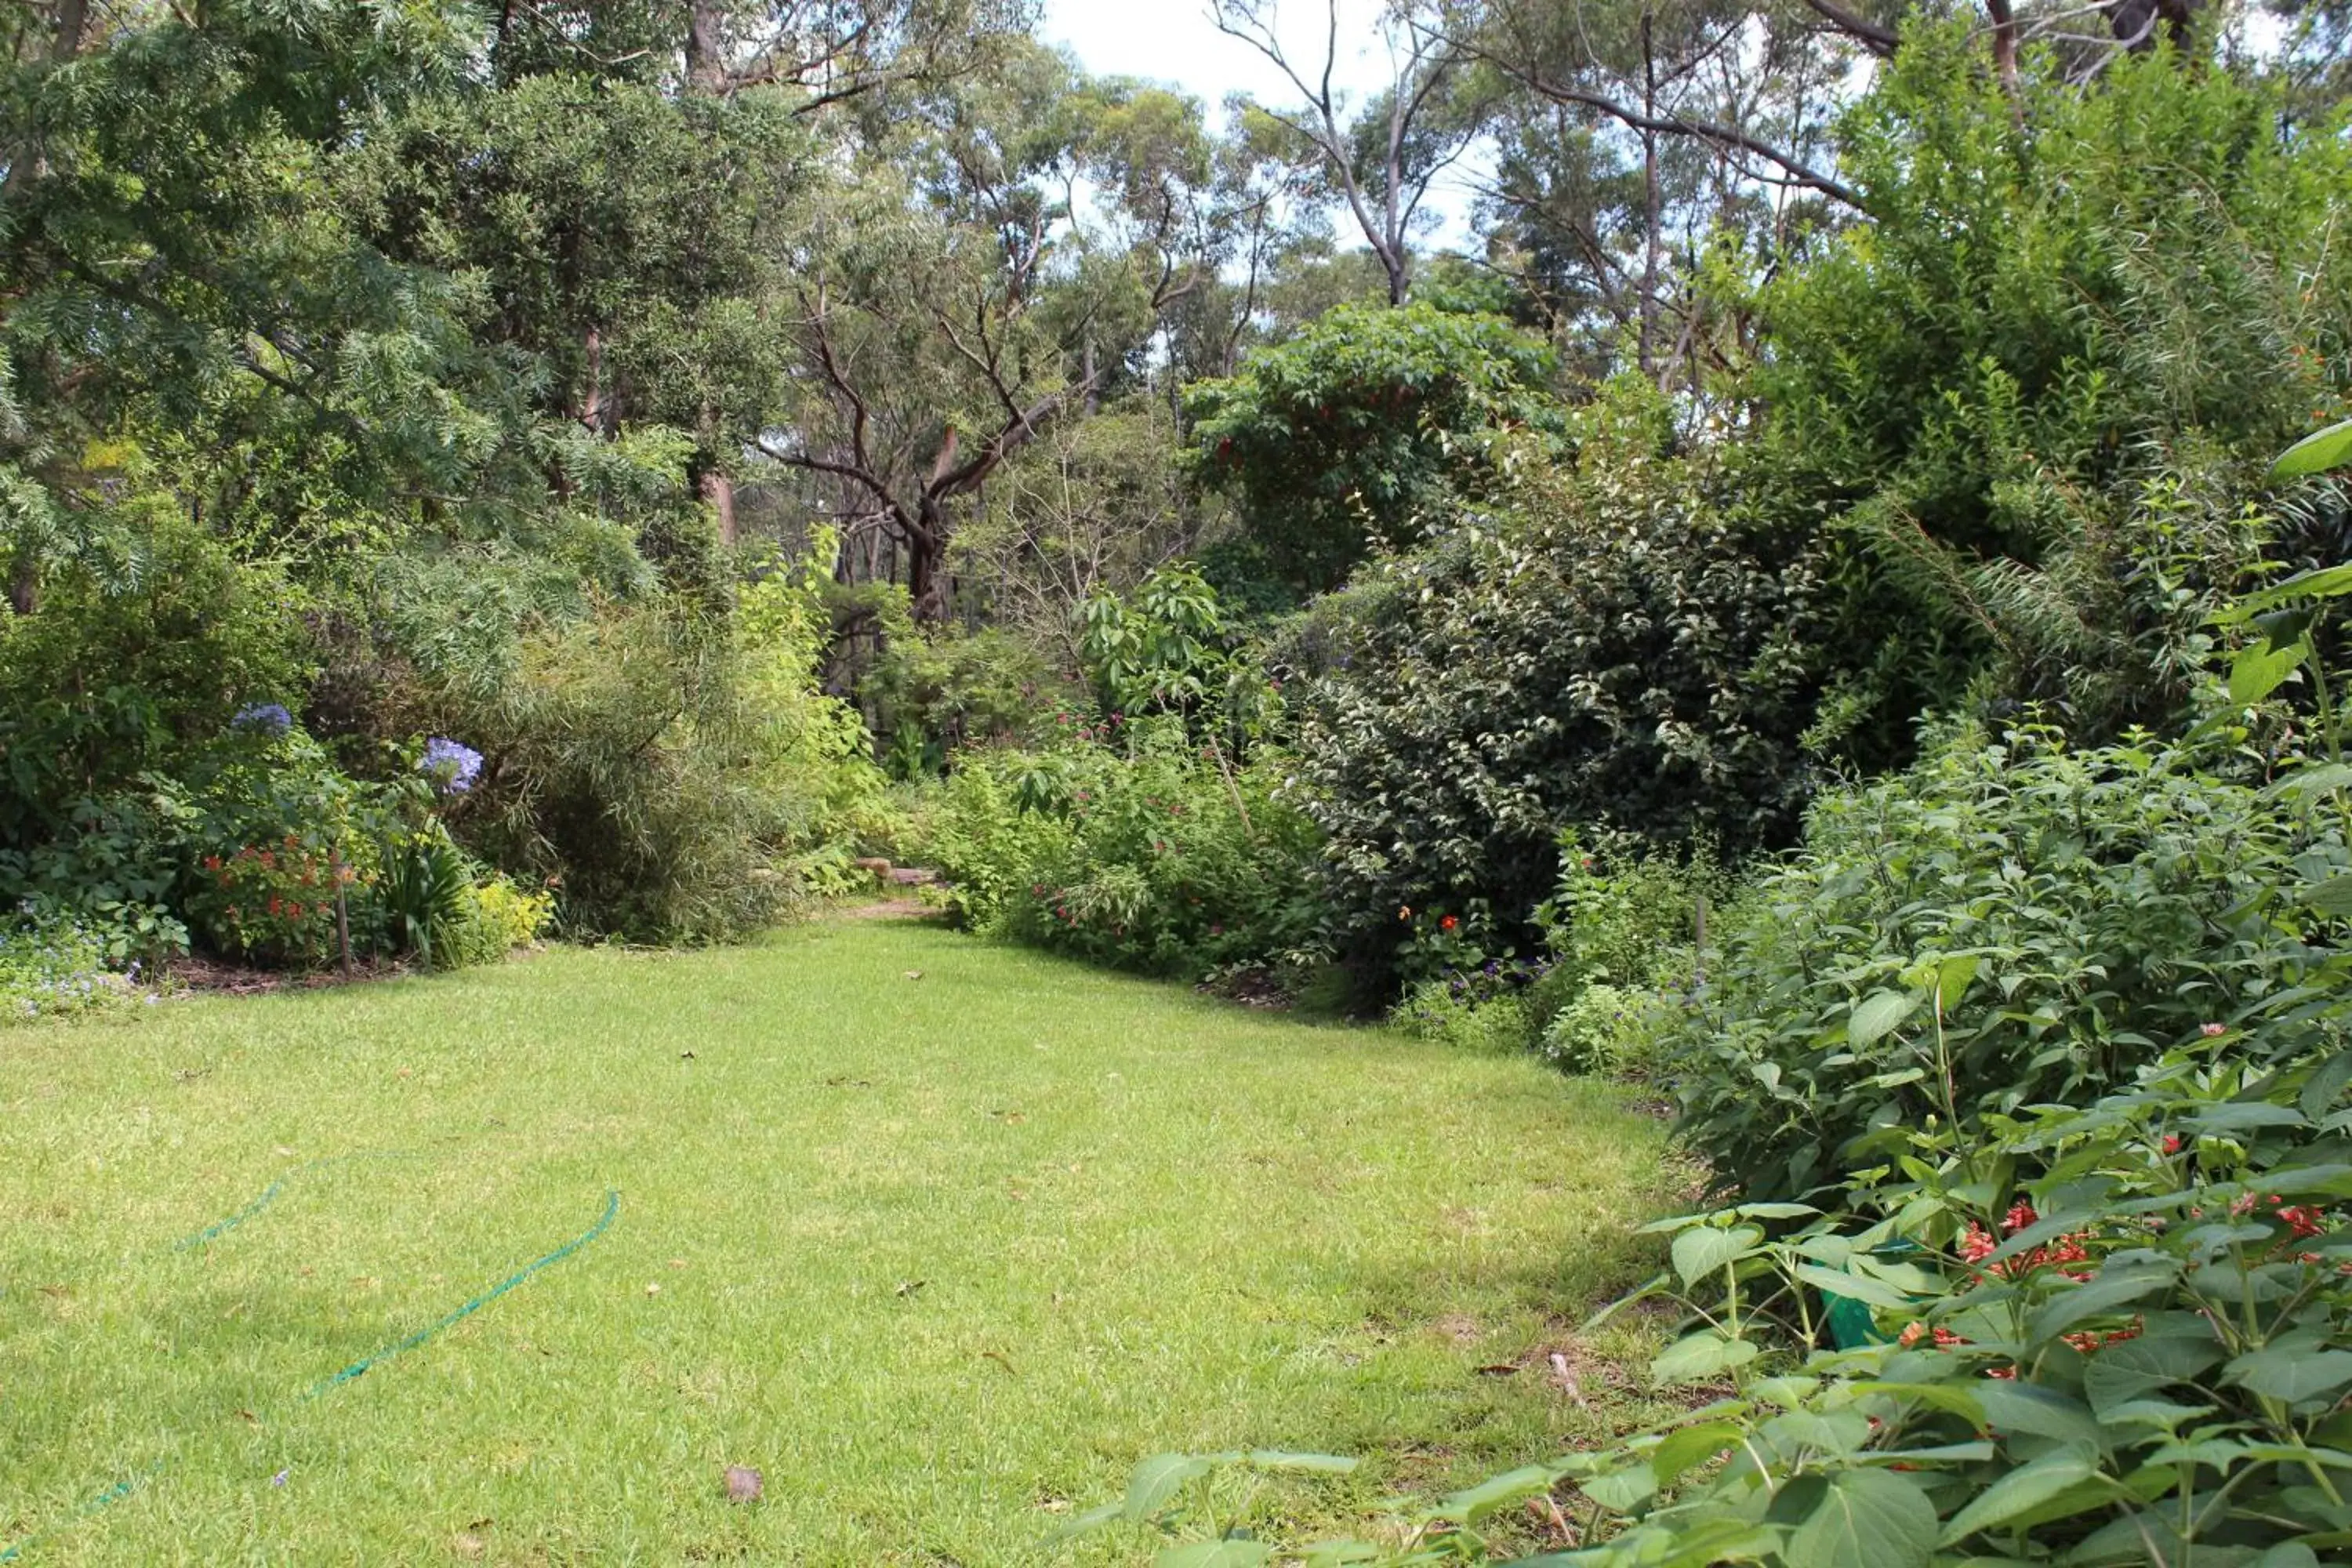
1614 646
1333 441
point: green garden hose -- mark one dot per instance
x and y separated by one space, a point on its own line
129 1484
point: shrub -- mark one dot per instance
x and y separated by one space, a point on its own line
273 830
1616 645
1608 1030
1333 441
666 769
53 964
498 918
2115 900
1147 854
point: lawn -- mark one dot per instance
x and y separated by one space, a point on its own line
942 1236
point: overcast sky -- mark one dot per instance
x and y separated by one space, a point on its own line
1173 41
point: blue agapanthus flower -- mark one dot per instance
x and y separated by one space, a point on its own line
454 765
267 718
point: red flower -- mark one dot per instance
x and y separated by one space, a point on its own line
2019 1216
1448 923
2172 1142
1978 1245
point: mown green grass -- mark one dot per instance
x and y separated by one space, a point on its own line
941 1256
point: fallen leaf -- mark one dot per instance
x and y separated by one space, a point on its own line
1000 1359
465 1543
1500 1369
909 1286
677 1263
686 1056
653 1289
914 975
249 1416
742 1484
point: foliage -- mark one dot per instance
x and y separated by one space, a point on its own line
2035 391
1609 1030
1149 852
2127 1357
668 767
934 688
1468 1017
2115 900
139 655
1614 643
1172 648
1335 441
427 894
55 964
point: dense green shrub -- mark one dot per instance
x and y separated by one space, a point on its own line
1142 850
136 656
2113 900
1617 644
669 771
2033 395
1332 442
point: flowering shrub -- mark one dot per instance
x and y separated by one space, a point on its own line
276 902
451 766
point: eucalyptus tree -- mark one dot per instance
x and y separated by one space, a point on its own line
1377 157
963 293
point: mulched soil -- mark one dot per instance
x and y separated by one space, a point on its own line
211 977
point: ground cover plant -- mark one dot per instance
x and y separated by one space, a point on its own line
938 1255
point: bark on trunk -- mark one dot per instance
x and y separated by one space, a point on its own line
719 491
706 48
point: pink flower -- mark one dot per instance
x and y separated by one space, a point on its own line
2212 1031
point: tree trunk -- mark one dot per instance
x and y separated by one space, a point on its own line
1655 205
926 549
706 48
719 491
25 586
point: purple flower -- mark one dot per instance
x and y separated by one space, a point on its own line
268 717
453 766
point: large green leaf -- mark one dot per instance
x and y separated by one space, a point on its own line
1867 1518
2293 1375
1158 1479
2042 1412
2262 669
1877 1017
1833 1282
2326 583
1703 1249
1702 1356
2315 453
2025 1487
1470 1505
2134 1369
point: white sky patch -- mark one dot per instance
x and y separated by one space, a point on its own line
1175 43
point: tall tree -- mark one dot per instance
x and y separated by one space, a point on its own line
1378 158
